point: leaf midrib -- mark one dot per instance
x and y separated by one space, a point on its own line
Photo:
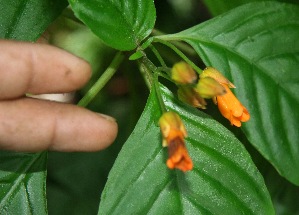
18 180
16 19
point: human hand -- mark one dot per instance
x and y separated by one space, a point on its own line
28 124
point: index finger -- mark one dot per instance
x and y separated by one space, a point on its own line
39 68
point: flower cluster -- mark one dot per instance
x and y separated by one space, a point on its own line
193 90
211 84
229 106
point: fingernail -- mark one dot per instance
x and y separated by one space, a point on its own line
109 118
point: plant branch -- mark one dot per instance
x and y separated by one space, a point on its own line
158 56
180 53
102 81
153 72
176 41
158 93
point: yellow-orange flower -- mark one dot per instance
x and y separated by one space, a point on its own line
174 132
229 106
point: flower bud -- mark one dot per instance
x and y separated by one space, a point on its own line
182 73
171 125
190 96
214 73
208 88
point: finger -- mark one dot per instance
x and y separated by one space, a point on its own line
35 125
39 68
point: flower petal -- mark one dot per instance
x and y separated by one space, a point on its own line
178 155
231 108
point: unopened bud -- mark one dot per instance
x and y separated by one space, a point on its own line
208 88
191 97
171 126
182 73
214 73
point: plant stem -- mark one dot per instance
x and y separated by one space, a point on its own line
180 53
176 41
158 93
150 68
158 56
147 68
101 82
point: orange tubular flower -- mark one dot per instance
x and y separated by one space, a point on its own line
174 132
229 106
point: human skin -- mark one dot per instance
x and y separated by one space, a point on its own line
29 124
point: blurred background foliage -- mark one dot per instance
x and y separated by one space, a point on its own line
75 180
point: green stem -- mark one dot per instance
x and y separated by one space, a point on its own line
149 67
175 40
158 93
101 82
180 53
146 68
158 56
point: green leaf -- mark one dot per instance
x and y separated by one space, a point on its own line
23 183
136 55
121 24
217 7
27 20
256 47
224 179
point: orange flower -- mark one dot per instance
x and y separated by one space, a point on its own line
229 106
174 132
178 155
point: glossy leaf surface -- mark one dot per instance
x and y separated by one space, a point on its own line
224 179
260 55
121 24
23 183
217 7
28 19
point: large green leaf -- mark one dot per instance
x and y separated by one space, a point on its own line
257 48
121 24
224 179
217 7
23 183
27 19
